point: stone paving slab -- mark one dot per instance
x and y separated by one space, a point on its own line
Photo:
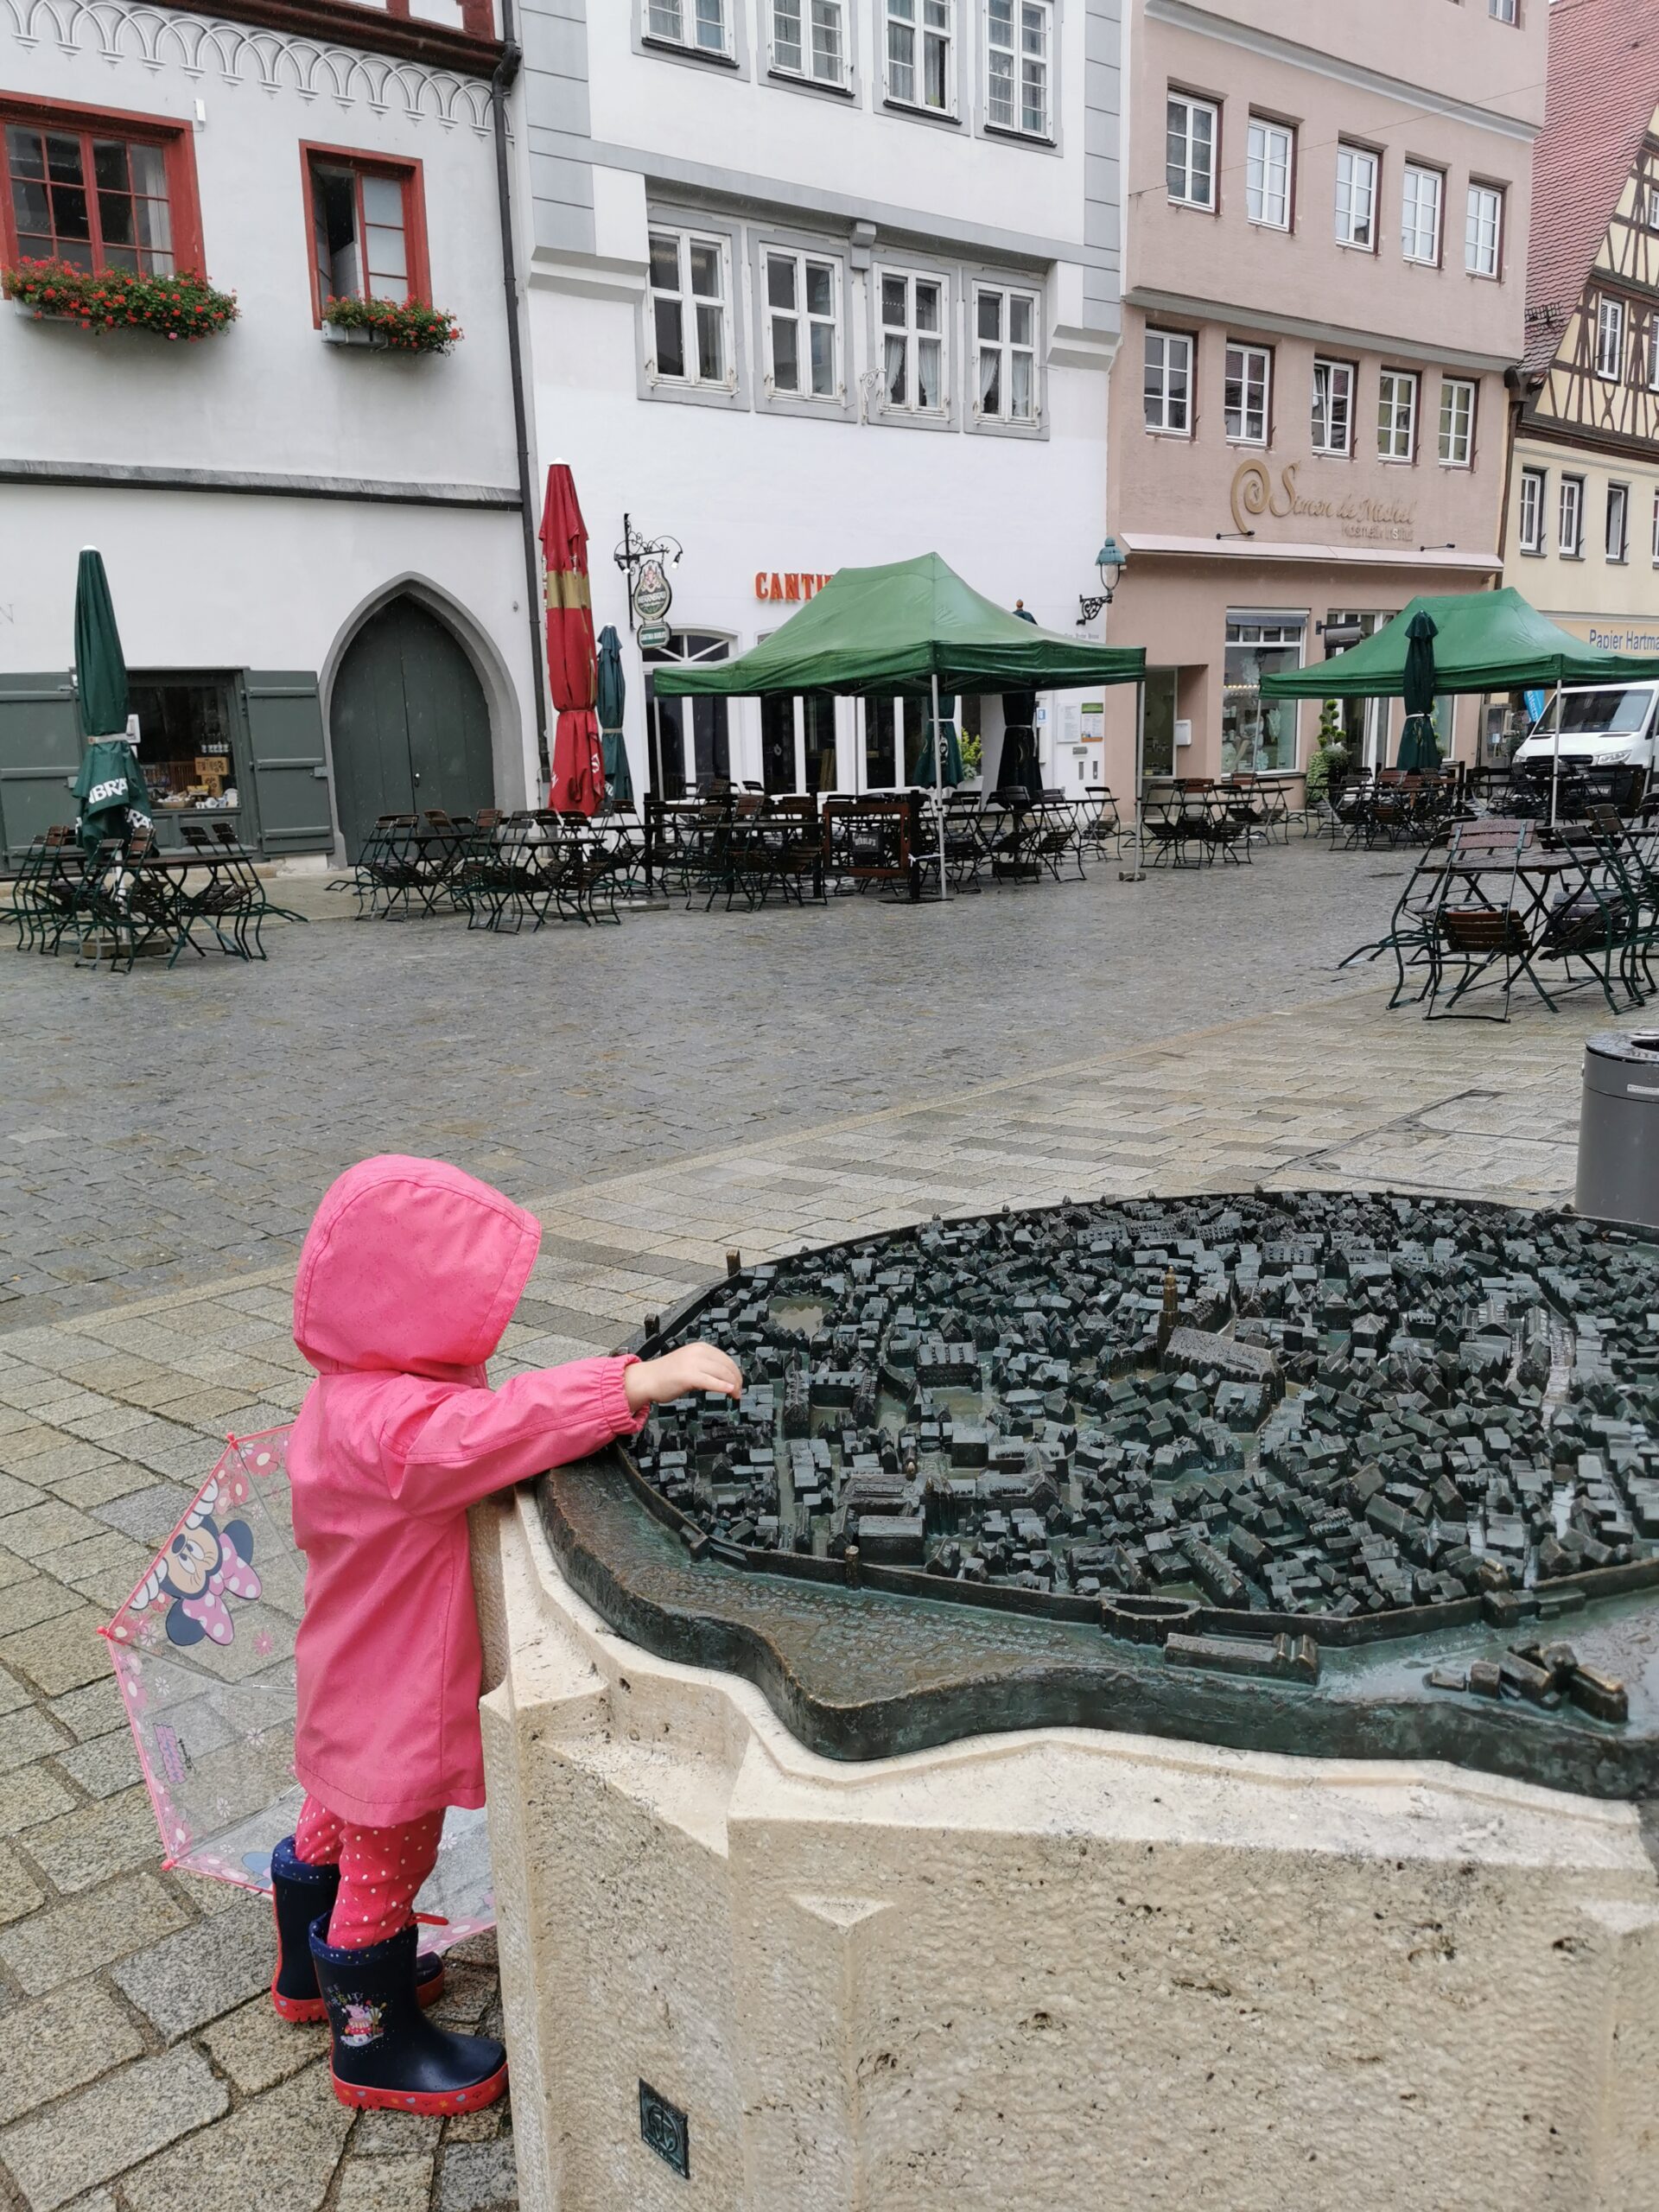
140 2063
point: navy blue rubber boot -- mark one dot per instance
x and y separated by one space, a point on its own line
299 1894
387 2055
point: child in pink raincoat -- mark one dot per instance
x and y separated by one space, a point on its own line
410 1274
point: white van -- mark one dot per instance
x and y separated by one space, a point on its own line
1596 726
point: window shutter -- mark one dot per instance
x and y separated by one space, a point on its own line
289 760
40 752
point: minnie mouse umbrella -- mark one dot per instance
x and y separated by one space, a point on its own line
203 1651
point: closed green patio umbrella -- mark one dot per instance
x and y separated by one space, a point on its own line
950 770
1420 750
110 785
611 696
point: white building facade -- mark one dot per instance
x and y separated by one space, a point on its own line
817 283
315 549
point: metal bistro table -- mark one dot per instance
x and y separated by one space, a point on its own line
161 899
1560 906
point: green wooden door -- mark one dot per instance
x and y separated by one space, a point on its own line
409 723
39 752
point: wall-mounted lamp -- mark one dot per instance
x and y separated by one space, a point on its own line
1110 562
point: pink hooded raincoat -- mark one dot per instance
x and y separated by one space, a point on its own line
410 1274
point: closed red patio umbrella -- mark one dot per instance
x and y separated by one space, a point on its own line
578 764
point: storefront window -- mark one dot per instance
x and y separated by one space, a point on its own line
690 739
1258 735
818 731
185 742
893 741
777 742
1364 721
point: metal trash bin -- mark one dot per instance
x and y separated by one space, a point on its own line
1618 1127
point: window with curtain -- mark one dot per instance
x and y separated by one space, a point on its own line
1422 198
1246 394
93 198
1357 176
1019 40
913 310
808 39
703 25
1530 522
1484 231
1396 415
1457 422
1005 360
364 229
920 48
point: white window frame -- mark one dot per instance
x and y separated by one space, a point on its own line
1359 180
1483 232
1612 321
1021 67
1418 174
1529 520
924 25
1455 452
1167 366
1655 525
807 15
1270 154
685 238
682 23
1005 347
1391 417
1571 502
805 321
1618 504
909 408
1253 374
1505 11
1338 375
1191 105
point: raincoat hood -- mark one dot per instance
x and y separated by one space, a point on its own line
410 1267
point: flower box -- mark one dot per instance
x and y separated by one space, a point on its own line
409 326
175 306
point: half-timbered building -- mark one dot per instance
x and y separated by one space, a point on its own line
1582 531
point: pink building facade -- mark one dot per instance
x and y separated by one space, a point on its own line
1327 215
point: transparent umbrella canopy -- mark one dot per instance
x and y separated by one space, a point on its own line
203 1651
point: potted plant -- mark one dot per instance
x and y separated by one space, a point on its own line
1330 759
409 326
182 306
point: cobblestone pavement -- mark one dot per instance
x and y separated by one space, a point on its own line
1176 1036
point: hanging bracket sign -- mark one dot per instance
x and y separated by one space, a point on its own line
653 594
652 636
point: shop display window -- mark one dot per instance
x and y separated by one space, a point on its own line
1258 735
690 739
186 745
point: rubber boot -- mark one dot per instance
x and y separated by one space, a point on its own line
387 2055
299 1892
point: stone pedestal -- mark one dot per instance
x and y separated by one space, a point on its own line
1063 1970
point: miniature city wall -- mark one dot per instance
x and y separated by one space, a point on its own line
1336 1474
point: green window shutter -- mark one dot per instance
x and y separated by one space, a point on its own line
289 765
39 752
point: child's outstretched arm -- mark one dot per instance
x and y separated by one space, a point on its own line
443 1452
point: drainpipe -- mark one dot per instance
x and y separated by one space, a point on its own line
506 74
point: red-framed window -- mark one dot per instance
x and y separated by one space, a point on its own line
367 220
98 187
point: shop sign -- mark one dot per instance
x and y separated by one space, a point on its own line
787 583
652 593
653 636
1382 522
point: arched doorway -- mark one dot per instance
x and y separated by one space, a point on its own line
409 727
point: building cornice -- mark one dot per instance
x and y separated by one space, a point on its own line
118 476
1185 308
1553 431
1181 15
330 43
1151 544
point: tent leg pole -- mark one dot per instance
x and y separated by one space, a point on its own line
1137 873
938 783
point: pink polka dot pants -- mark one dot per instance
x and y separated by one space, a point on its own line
380 1870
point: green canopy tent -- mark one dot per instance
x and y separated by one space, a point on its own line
1483 641
909 627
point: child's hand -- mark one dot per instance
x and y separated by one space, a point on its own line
677 1374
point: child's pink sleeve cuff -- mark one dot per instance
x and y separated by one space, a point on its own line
624 1420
